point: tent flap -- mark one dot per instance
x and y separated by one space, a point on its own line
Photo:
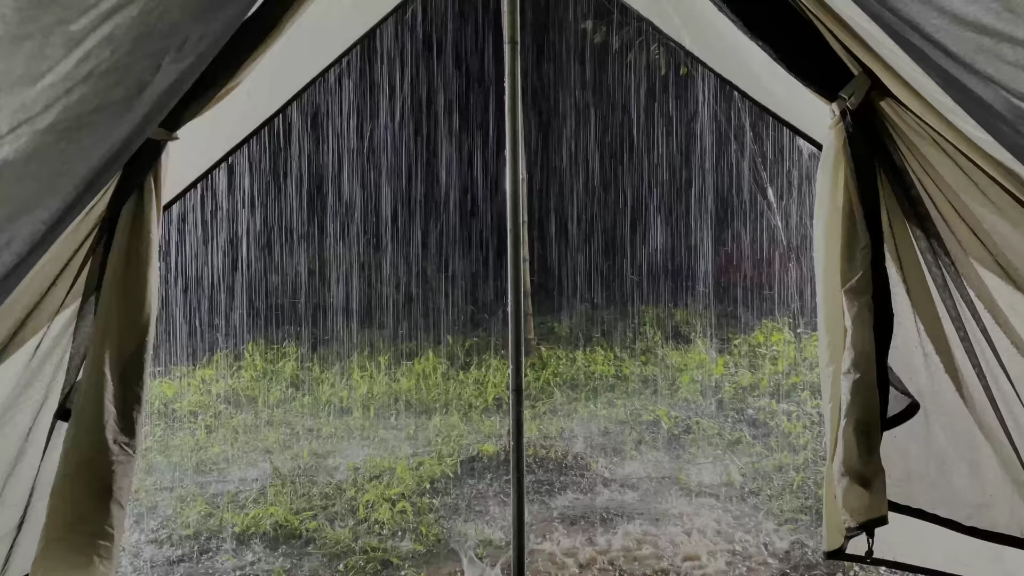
89 498
104 338
855 495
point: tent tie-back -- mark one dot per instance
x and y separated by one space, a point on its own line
851 95
162 135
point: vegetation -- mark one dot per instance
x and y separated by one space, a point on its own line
367 463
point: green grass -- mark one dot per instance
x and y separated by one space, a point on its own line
363 452
379 517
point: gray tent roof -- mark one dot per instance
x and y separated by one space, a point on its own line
83 84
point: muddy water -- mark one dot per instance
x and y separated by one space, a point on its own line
591 512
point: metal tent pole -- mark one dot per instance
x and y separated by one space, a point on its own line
513 151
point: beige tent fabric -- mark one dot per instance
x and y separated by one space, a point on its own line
957 348
33 364
855 457
31 380
87 517
832 181
924 544
855 480
940 327
295 13
36 301
955 252
83 82
24 548
36 325
88 502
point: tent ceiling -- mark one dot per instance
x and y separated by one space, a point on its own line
909 75
972 50
81 83
328 28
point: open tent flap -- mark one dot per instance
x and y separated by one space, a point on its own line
84 83
92 481
951 207
36 326
956 301
76 326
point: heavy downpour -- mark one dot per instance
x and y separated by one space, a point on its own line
330 387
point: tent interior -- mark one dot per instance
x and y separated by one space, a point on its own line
261 308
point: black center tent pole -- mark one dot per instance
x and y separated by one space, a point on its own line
513 151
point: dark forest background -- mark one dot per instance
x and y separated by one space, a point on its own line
371 210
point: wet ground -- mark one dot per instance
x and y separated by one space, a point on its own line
586 516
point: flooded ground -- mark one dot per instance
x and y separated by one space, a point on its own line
633 518
660 457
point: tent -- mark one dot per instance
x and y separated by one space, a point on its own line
111 108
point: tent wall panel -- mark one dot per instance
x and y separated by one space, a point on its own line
88 500
36 324
30 383
920 544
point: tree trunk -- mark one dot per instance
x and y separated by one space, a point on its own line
531 337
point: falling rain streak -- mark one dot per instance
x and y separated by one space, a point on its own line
331 387
653 181
369 210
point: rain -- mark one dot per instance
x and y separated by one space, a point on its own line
330 386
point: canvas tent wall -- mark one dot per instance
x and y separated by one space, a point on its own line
923 158
933 242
